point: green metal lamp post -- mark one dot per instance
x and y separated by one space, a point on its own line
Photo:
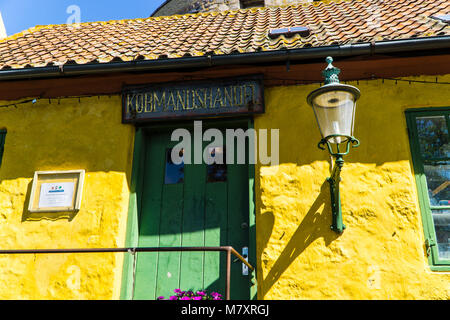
334 106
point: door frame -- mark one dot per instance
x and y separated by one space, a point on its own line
134 206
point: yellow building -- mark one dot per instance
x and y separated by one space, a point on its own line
94 205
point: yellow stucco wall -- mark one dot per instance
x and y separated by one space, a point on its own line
381 254
67 134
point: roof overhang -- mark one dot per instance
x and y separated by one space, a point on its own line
411 46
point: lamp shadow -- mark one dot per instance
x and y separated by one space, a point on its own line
314 225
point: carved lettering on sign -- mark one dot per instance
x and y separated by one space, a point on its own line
171 101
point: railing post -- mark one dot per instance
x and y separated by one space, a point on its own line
227 289
132 251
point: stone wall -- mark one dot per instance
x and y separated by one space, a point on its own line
193 6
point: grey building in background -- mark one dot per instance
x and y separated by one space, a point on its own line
172 7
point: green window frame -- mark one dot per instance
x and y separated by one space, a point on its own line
429 135
2 143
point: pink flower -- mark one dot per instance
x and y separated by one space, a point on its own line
191 295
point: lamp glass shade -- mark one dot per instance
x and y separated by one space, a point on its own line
335 113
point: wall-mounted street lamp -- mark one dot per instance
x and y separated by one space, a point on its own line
334 105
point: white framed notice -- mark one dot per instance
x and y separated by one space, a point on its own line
56 191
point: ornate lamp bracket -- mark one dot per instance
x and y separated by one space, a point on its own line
336 210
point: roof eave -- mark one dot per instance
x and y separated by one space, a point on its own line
274 56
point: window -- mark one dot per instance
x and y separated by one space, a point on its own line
430 146
217 169
289 32
442 17
174 171
2 143
251 3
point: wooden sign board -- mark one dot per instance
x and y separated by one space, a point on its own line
193 99
56 191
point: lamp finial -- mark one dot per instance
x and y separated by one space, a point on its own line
331 72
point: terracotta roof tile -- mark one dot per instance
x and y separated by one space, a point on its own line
330 22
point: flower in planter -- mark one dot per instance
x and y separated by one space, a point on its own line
191 295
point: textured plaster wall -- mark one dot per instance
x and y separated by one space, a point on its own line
379 256
381 253
71 134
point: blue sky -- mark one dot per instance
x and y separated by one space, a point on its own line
19 15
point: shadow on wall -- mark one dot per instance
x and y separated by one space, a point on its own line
313 226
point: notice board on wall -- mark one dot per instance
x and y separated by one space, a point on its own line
56 191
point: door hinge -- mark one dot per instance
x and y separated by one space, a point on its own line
428 244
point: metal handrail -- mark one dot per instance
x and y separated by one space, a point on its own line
228 249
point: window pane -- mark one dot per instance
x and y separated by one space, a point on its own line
433 137
441 220
438 182
217 171
174 172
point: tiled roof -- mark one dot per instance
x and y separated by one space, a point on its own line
330 22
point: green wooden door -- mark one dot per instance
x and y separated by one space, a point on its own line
190 205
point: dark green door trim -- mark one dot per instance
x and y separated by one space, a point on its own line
2 143
134 206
